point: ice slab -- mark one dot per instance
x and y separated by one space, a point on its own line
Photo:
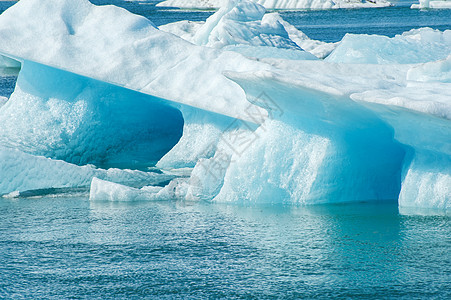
321 148
103 190
131 53
23 172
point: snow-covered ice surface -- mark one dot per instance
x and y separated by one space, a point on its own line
370 122
131 53
279 4
440 4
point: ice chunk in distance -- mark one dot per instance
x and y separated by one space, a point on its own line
243 23
278 4
439 4
65 116
275 43
415 46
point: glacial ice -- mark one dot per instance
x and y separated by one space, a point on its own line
6 62
279 4
103 190
22 172
271 129
82 121
3 101
436 71
243 27
439 4
266 33
415 46
131 53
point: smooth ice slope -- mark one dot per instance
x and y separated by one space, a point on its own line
278 4
415 46
6 62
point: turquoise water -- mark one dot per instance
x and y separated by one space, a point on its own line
69 247
66 247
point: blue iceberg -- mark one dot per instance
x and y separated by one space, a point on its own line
95 95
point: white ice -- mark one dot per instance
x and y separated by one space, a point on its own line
279 4
415 46
244 27
439 4
131 53
23 172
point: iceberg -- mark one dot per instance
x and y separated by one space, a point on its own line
139 60
278 4
439 4
318 48
267 129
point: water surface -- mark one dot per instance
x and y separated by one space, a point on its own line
64 247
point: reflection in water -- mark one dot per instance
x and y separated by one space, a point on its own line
69 246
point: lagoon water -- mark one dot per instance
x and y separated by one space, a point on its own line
68 247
